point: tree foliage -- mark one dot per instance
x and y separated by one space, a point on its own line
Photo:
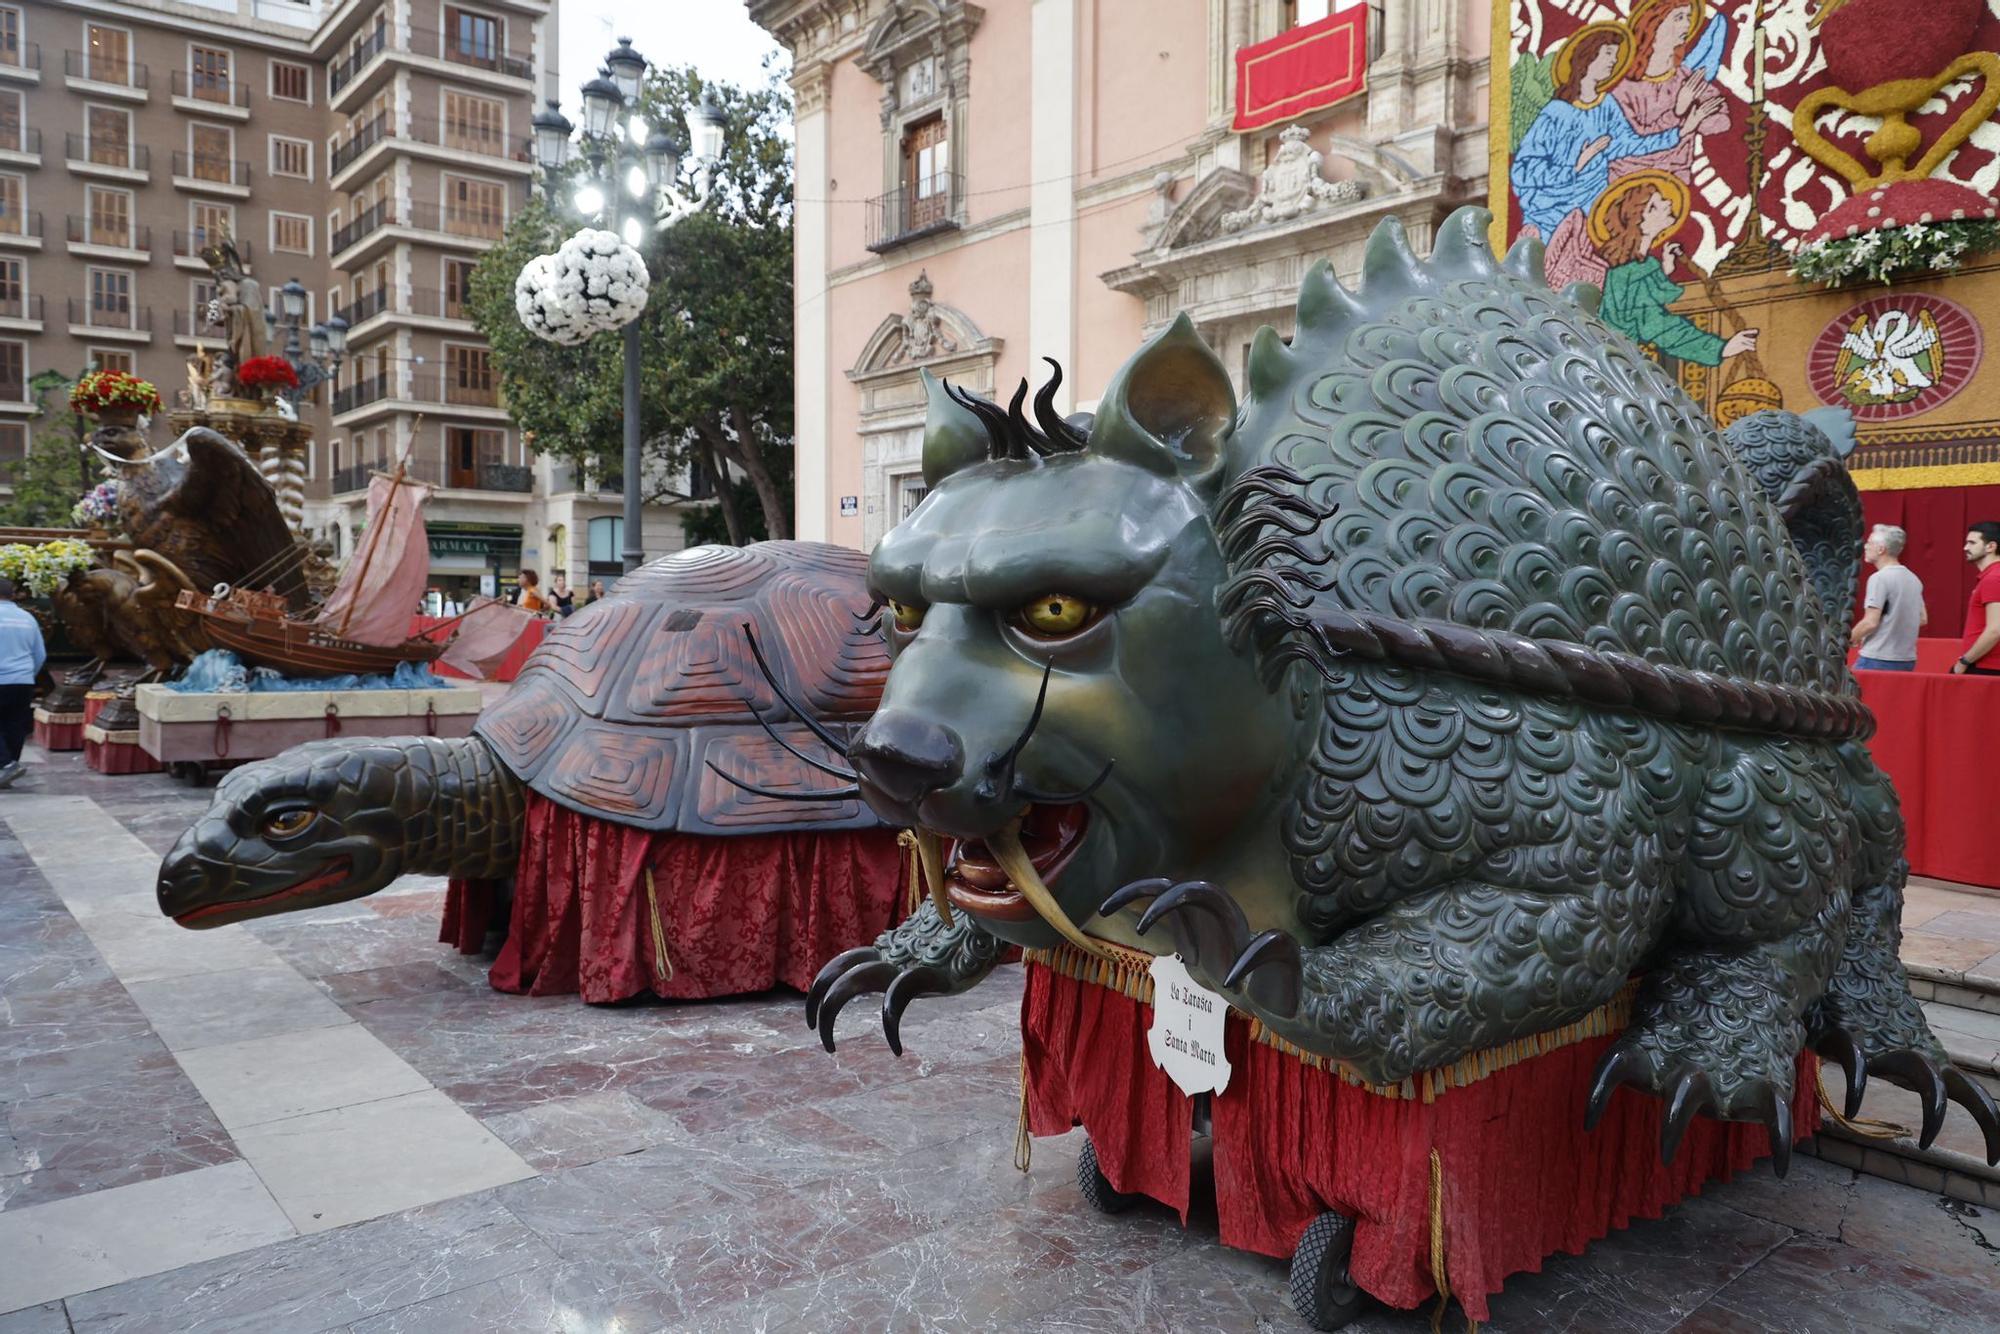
48 483
715 338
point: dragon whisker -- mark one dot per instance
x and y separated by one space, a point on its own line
817 728
794 751
823 794
1064 798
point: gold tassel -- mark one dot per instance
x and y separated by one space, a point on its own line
660 958
1437 1243
913 885
1024 1143
1865 1126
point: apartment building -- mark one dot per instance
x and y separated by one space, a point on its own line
370 149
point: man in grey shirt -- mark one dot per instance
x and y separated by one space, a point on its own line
1894 607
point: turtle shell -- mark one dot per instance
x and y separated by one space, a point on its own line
625 705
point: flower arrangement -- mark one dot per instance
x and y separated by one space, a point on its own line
594 282
45 568
98 508
1893 253
267 373
99 390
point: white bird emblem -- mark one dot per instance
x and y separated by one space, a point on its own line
1892 360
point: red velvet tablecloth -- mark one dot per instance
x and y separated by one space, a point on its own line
510 666
1938 737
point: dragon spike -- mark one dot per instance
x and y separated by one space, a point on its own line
1388 265
1525 261
1062 435
990 416
1021 436
1271 364
1586 297
1323 302
1462 247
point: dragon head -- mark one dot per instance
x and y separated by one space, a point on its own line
1063 708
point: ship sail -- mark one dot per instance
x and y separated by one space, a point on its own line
383 581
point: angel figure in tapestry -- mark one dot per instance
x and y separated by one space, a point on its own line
1630 226
1674 62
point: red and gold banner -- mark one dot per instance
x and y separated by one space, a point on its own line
1303 69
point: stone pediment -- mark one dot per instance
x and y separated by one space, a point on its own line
929 333
911 29
1199 216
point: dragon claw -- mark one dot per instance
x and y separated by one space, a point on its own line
1969 1094
1132 893
867 977
1688 1096
906 987
1619 1065
1919 1074
1777 1118
1841 1047
831 973
1276 990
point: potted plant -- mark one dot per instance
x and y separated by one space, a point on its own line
267 377
115 398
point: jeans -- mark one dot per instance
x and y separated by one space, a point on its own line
17 720
1884 665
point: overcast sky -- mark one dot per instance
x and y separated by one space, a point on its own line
715 36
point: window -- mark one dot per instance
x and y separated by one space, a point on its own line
291 82
13 446
212 147
109 359
13 371
109 220
10 121
474 208
457 287
926 174
10 35
291 157
910 492
107 54
470 453
208 74
201 291
333 459
13 204
211 222
468 376
475 124
108 135
607 539
293 232
471 39
13 289
110 299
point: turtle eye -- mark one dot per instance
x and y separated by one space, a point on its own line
908 617
1053 615
283 824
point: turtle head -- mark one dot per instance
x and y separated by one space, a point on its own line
326 822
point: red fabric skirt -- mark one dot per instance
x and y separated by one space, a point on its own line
110 756
1520 1178
58 731
734 915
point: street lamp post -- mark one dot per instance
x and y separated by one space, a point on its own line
326 346
633 185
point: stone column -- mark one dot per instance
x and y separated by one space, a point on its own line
1052 197
811 335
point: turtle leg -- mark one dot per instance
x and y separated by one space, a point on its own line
920 957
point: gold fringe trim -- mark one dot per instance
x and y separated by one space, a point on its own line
661 960
42 715
1865 1126
1125 971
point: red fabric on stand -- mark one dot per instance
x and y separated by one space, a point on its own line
1934 735
58 736
735 914
117 757
1521 1178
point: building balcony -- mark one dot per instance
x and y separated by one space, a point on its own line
92 238
354 233
205 96
101 76
391 392
459 141
344 72
475 227
188 247
211 174
21 314
360 394
362 139
351 79
20 146
192 327
434 224
430 303
21 63
108 159
20 230
364 308
909 214
481 475
131 325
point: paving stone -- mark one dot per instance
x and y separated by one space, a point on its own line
211 1008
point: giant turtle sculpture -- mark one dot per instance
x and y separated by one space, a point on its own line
654 708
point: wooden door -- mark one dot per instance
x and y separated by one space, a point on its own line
926 178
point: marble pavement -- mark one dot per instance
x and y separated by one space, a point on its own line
329 1122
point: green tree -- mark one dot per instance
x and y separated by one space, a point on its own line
715 337
56 473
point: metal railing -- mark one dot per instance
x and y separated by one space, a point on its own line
439 304
455 221
211 167
195 324
137 319
465 139
16 222
189 245
22 55
360 394
127 73
206 88
19 307
483 475
108 152
906 214
380 215
19 138
365 307
513 64
360 141
89 231
372 46
355 476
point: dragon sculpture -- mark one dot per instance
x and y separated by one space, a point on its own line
1460 673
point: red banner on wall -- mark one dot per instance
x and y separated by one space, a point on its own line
1302 69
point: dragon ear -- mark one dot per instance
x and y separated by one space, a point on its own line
954 437
1168 408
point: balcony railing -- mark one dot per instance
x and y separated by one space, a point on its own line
108 152
211 167
360 394
189 245
21 55
95 231
466 139
360 141
440 305
195 324
365 307
207 88
19 307
371 46
450 389
514 64
19 138
454 220
16 222
138 319
127 73
381 215
906 214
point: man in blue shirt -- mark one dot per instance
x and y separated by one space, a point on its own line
21 658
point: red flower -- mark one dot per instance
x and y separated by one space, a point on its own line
267 373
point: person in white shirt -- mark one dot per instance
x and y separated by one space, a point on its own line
21 657
1893 610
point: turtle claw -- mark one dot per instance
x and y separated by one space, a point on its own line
1689 1094
906 987
831 973
1619 1065
1919 1074
1840 1046
1968 1093
1274 959
874 976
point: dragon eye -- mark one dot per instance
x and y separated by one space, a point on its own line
1054 614
284 823
907 617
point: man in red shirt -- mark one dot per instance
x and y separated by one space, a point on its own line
1979 647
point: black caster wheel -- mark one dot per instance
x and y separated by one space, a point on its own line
1097 1189
1322 1293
